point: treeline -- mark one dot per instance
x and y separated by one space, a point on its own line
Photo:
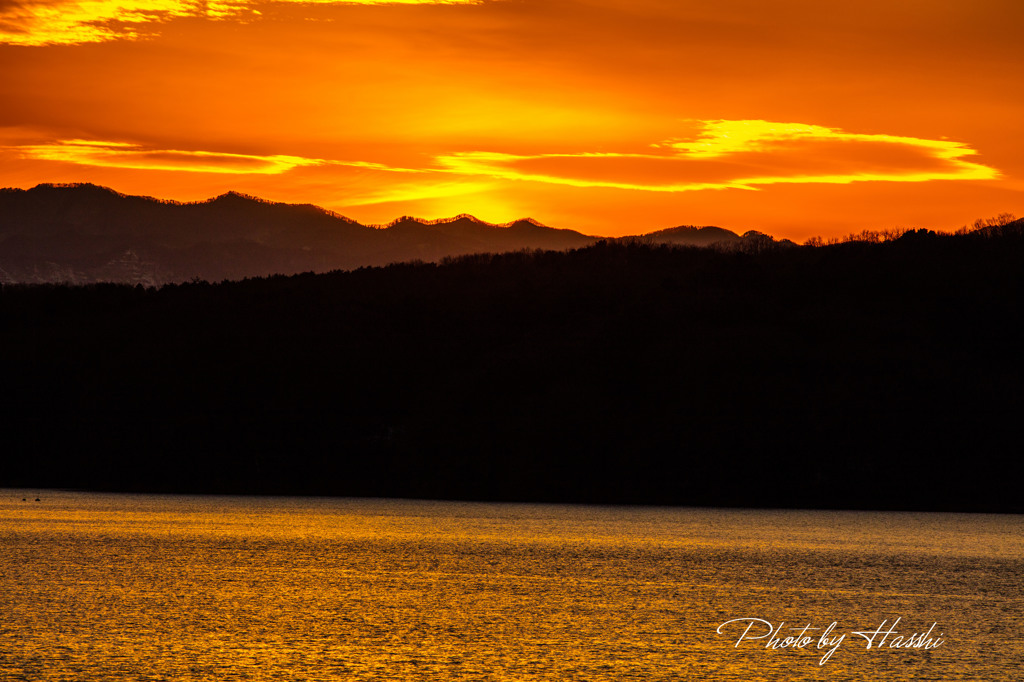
984 226
860 375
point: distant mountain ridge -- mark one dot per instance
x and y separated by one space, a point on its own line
85 233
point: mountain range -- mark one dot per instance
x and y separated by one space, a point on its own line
84 233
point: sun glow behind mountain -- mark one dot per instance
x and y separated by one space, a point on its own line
606 116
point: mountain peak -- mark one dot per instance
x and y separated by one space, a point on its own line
236 197
81 188
694 235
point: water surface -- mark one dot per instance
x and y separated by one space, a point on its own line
141 587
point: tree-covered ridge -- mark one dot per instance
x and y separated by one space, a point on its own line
87 234
863 375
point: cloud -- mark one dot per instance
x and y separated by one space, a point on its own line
75 22
136 157
720 155
738 155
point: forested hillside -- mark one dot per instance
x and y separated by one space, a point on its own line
860 375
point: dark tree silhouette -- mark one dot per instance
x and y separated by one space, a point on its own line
865 374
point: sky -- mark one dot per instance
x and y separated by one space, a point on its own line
613 117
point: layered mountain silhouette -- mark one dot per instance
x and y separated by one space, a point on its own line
83 233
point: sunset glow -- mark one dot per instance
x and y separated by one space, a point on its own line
605 116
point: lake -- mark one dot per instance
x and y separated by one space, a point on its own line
148 587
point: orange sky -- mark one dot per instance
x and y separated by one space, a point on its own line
612 117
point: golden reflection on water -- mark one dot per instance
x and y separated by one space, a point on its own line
204 588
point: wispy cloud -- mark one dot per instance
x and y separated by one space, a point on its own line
721 155
74 22
739 155
137 157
